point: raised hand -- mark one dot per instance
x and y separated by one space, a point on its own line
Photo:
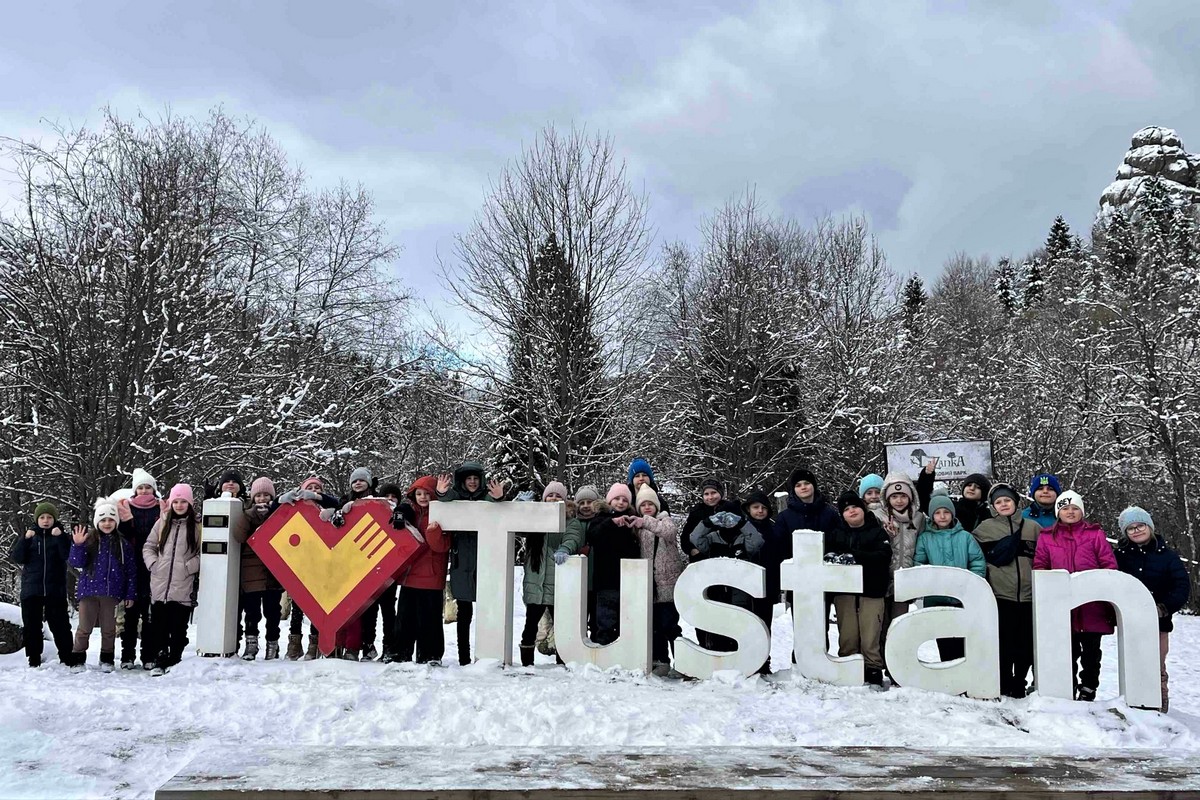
931 466
79 535
444 482
56 531
28 534
496 489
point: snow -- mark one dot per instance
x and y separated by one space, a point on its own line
125 734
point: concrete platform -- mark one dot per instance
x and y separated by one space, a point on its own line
697 773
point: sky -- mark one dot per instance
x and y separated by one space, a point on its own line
952 126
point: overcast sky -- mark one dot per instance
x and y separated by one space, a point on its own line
952 126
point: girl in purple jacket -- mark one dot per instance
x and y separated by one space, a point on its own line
1074 544
107 578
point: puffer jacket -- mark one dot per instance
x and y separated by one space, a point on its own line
538 586
1044 517
1077 548
902 529
255 575
870 548
464 545
1008 545
137 520
658 539
428 570
173 566
43 560
731 535
107 567
949 547
1160 569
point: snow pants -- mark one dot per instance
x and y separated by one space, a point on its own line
54 609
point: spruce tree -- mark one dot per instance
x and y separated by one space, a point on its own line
1005 285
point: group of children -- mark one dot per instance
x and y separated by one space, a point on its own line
142 554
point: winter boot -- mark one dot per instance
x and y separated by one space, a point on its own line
873 676
349 655
158 672
295 647
251 651
127 662
370 653
272 651
77 662
106 662
35 662
312 653
464 652
526 656
1085 693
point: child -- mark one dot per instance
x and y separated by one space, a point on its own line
312 489
902 521
1142 553
761 511
727 534
970 509
387 601
1044 490
107 578
870 489
712 500
230 483
261 593
358 636
469 483
1074 544
138 515
610 539
807 509
640 474
944 543
860 617
419 619
542 552
42 553
658 542
1008 541
172 554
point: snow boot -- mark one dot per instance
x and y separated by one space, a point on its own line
388 657
35 662
349 655
312 653
464 653
1086 694
370 653
526 656
107 662
272 651
127 663
158 672
873 676
251 651
77 662
295 647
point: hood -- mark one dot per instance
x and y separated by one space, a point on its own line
898 481
758 496
470 468
426 482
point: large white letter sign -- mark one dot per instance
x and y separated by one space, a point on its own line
977 675
1056 592
744 626
496 524
631 650
808 578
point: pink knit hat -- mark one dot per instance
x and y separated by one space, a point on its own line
555 487
619 490
312 484
261 485
181 491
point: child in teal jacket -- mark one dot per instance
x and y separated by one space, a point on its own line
944 543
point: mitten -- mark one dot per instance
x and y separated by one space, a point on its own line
560 557
288 498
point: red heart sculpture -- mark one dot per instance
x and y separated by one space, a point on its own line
333 574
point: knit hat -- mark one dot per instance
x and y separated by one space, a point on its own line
713 483
105 509
1002 490
800 475
1044 479
1069 498
868 482
648 495
639 465
586 494
979 480
181 491
757 496
262 484
941 501
555 487
940 487
235 476
143 478
361 474
847 499
390 490
45 507
1132 516
899 483
619 490
313 484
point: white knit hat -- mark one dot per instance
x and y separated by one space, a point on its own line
1069 498
143 478
105 507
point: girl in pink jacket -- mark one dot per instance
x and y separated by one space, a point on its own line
1074 544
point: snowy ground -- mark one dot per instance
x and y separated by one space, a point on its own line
124 734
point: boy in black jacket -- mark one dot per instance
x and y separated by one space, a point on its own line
860 540
42 553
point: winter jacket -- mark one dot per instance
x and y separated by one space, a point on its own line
903 529
1078 548
1161 570
428 569
1008 545
1045 517
255 575
173 566
658 541
950 547
538 586
609 543
108 571
135 525
819 515
697 514
741 540
870 548
464 545
969 513
43 560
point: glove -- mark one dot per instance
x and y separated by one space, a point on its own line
724 519
306 494
560 557
524 497
840 558
326 514
290 497
346 508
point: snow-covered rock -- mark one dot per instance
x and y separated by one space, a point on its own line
1154 153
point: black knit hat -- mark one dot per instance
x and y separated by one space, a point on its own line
232 475
713 483
758 496
849 498
801 475
392 489
979 480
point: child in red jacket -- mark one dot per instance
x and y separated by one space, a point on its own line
1074 544
419 623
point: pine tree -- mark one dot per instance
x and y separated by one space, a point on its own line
1059 243
1034 290
1005 285
914 299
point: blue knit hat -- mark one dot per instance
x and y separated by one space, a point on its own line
941 501
1132 516
868 482
640 465
1044 479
